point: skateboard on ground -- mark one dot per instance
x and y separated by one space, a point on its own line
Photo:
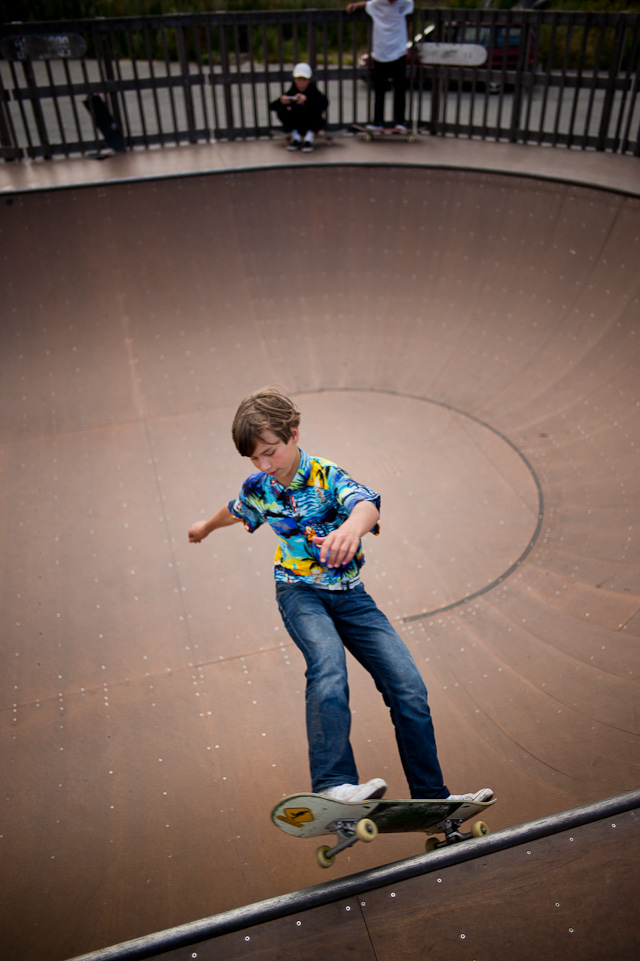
384 134
312 815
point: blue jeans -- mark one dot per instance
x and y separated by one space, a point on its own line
323 624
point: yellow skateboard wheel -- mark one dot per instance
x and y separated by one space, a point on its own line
321 857
479 829
366 829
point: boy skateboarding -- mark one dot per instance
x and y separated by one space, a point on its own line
320 514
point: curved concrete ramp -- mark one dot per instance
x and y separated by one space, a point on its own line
467 343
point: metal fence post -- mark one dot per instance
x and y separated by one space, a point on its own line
36 106
9 147
610 91
186 85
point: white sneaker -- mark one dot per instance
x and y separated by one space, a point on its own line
374 788
307 143
484 794
373 127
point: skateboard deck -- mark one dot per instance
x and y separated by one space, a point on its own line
54 46
384 134
312 815
453 54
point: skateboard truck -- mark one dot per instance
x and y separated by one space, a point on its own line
349 830
450 827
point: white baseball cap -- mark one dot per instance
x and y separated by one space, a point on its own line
303 70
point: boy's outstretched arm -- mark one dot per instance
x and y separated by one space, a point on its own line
339 547
202 529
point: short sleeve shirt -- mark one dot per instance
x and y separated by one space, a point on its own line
320 498
389 28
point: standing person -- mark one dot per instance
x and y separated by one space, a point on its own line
301 109
319 514
389 53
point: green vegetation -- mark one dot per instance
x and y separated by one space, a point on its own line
45 10
35 10
558 46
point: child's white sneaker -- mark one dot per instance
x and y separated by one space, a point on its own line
484 794
374 788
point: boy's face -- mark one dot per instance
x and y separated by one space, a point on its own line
301 84
276 458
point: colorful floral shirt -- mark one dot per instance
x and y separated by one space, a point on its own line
320 498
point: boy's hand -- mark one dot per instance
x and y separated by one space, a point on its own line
338 547
198 531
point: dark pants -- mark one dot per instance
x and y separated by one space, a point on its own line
395 71
302 119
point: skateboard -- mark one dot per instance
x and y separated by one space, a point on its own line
55 46
452 54
312 815
385 133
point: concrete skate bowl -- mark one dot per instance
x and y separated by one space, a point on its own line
464 342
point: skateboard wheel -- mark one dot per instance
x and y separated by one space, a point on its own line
431 844
479 829
366 829
321 857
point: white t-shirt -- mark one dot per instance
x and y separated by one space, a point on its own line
389 28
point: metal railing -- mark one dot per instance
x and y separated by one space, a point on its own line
355 885
564 79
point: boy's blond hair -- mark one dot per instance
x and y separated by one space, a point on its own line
266 409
